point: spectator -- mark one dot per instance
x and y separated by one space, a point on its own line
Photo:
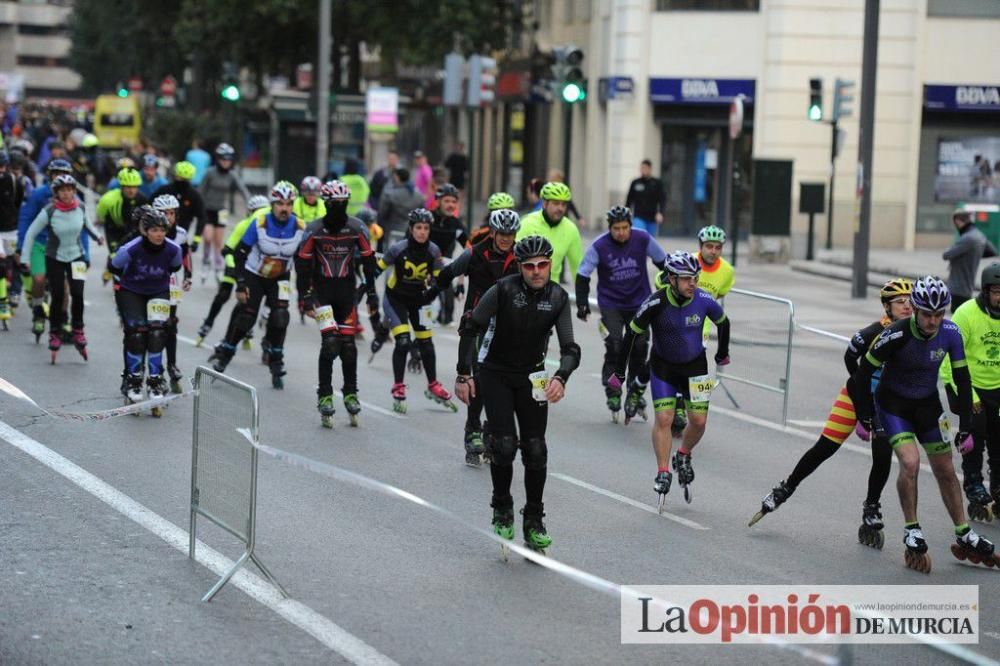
395 205
963 258
201 160
382 178
535 194
358 185
423 176
151 178
647 200
457 164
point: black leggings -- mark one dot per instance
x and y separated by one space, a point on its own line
507 396
824 448
338 293
58 273
615 322
221 298
245 315
985 433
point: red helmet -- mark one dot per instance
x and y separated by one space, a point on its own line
335 190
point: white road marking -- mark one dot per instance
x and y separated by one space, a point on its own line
627 500
808 424
319 627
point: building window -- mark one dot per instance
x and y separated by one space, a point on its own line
42 30
964 8
42 61
708 5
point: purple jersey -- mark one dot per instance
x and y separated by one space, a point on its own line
911 360
144 271
622 280
677 327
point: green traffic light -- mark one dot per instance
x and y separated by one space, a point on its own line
123 92
815 112
572 92
231 93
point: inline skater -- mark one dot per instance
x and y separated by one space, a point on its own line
152 181
263 261
908 410
895 295
192 211
64 220
497 201
168 205
143 266
309 205
447 232
619 256
324 269
486 262
413 260
255 205
675 313
515 317
217 186
551 222
978 321
11 198
116 207
39 199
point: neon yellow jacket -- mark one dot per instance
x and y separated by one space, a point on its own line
565 239
717 279
981 339
308 213
359 192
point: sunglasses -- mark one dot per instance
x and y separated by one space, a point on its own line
540 265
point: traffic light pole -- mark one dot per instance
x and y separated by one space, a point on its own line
869 68
323 88
833 172
470 190
567 138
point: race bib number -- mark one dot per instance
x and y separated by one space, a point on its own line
945 425
539 381
324 317
700 388
284 290
78 270
158 309
223 216
9 245
176 293
427 316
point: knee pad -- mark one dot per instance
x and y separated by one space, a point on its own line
172 325
156 339
503 449
403 342
426 348
534 453
244 318
278 318
330 346
348 349
135 340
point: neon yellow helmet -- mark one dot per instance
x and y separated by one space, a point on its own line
185 170
129 178
90 141
499 201
556 191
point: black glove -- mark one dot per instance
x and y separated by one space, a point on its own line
460 290
583 311
372 303
722 359
429 295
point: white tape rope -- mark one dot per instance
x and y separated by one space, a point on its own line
578 575
100 415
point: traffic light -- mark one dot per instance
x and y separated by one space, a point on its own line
815 99
568 74
841 99
482 80
231 93
122 91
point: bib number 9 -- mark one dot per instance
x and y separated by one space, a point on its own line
78 270
945 426
539 382
700 388
427 316
176 293
158 309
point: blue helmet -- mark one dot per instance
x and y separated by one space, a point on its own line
930 294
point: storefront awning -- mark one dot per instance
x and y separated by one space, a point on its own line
701 90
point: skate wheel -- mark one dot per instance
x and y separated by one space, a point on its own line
756 519
879 540
688 494
661 503
354 420
198 343
918 562
994 561
156 412
957 551
614 417
326 422
505 553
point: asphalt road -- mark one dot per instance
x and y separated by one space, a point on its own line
378 577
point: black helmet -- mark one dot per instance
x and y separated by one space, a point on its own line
990 276
446 190
619 214
146 217
420 216
532 246
366 216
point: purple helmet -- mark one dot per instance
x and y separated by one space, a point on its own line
930 294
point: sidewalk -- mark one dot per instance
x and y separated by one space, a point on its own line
838 264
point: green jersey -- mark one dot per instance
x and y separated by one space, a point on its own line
981 339
565 239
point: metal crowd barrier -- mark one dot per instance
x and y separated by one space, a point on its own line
764 326
224 464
